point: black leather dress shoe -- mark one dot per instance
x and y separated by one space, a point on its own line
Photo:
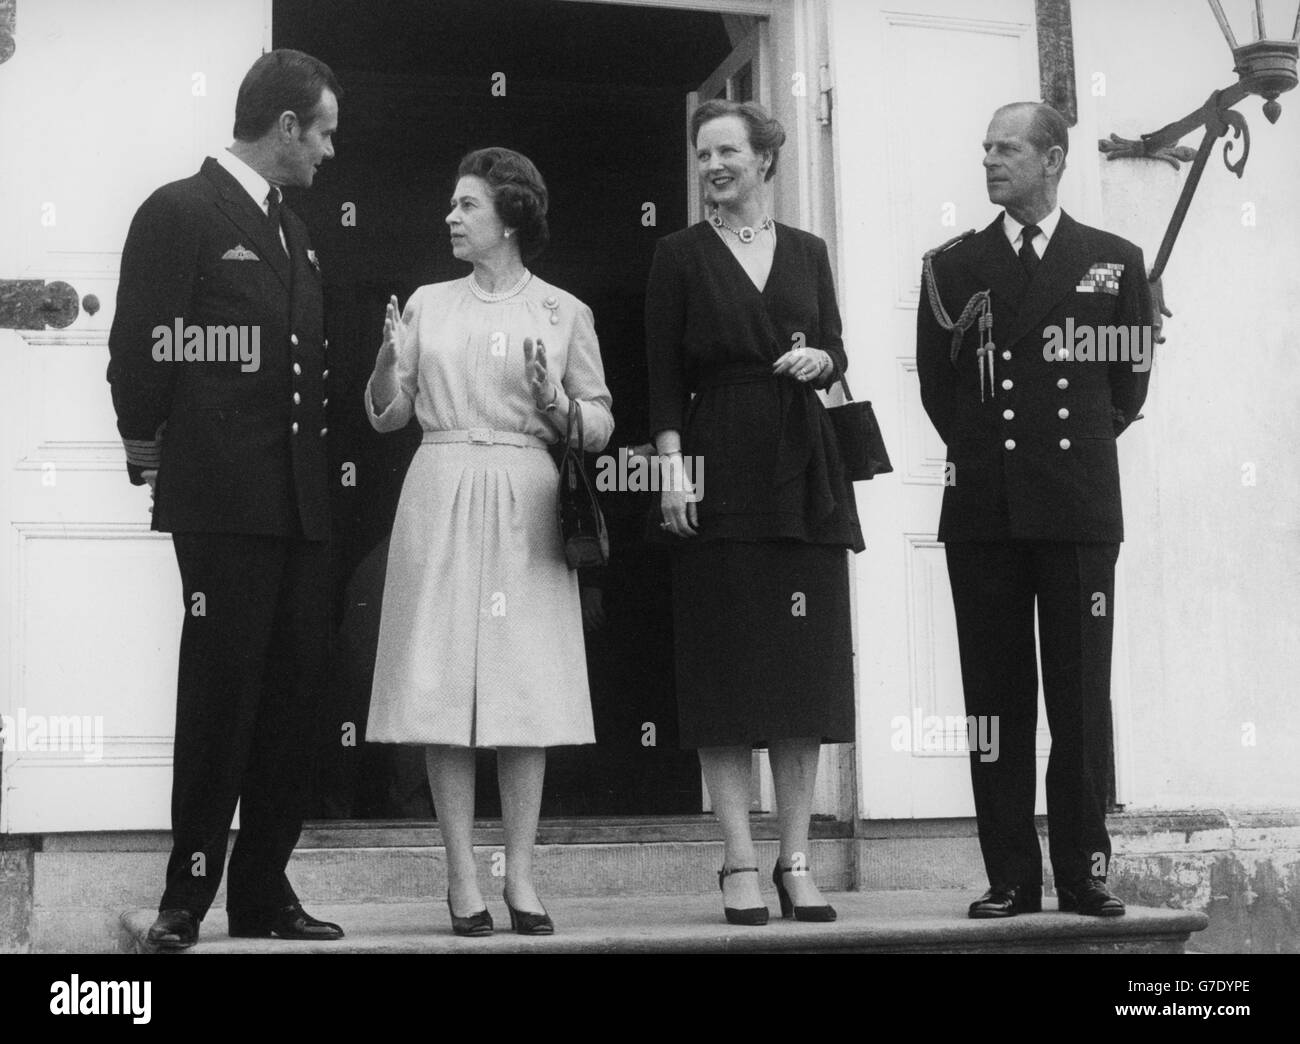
1089 896
1004 900
174 930
289 922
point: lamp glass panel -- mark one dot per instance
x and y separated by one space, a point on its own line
1279 18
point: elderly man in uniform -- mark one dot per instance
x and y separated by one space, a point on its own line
218 377
1031 508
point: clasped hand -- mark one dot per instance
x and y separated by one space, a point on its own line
802 364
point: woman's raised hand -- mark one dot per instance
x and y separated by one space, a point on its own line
392 342
539 382
383 383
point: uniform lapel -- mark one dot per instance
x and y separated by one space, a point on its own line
1056 276
239 207
995 263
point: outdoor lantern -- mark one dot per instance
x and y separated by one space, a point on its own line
1265 66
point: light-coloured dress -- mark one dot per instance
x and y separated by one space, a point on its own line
480 640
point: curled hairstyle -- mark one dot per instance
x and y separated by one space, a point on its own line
281 80
518 194
766 135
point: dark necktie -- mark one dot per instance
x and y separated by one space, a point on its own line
273 212
1028 256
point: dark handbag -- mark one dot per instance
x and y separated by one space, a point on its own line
862 447
582 526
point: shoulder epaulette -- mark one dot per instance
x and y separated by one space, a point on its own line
945 246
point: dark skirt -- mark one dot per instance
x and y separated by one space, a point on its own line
764 643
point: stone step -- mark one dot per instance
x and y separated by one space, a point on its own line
79 894
869 922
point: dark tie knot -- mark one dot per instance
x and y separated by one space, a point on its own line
1031 232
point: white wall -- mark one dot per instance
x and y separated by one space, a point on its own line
1211 565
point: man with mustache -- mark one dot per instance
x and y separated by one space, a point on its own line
1031 507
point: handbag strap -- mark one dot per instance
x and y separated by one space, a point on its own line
844 383
574 410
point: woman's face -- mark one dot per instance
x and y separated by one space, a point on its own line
476 231
730 171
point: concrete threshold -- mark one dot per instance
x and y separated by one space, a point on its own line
869 922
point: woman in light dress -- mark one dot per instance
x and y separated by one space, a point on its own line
480 641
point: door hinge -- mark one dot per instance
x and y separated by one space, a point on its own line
824 88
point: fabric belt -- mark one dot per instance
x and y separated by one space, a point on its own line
807 439
486 437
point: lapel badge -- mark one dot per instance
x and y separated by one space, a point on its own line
552 305
239 253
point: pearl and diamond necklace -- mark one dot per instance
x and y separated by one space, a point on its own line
745 234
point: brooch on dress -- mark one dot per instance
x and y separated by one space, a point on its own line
552 305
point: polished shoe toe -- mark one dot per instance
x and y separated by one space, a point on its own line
173 930
289 922
1007 900
1090 897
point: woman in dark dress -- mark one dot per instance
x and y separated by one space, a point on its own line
741 327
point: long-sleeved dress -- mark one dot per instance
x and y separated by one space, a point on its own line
762 628
480 638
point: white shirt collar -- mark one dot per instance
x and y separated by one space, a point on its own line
252 182
1047 227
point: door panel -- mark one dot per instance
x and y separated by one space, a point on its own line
908 177
101 104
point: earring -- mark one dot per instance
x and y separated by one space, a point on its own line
507 233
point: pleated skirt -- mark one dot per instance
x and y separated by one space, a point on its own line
480 637
764 643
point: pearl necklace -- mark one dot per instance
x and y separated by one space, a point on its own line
745 234
492 298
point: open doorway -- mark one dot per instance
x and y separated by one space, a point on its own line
594 94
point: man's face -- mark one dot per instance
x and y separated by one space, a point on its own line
311 145
1015 172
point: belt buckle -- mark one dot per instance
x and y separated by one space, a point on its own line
482 436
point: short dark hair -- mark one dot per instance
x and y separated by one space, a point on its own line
1047 127
518 194
280 81
765 133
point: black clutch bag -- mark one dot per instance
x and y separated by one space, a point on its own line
862 448
582 526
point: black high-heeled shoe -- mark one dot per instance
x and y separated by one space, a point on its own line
475 924
522 922
751 915
825 912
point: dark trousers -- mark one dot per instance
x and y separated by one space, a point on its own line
994 590
252 652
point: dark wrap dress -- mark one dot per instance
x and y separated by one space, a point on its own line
762 624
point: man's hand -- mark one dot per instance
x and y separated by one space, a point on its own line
150 475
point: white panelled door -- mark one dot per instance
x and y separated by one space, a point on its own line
99 105
915 83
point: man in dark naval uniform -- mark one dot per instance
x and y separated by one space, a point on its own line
218 374
1033 352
